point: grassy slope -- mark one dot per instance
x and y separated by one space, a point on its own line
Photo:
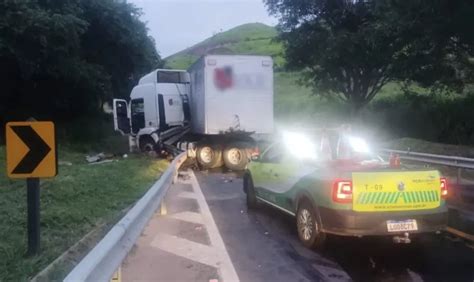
78 199
248 39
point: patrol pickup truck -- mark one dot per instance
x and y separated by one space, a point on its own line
333 184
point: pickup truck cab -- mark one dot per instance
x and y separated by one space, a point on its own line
334 184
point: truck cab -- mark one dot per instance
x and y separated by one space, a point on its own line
158 104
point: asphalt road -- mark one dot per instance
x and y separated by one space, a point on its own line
263 246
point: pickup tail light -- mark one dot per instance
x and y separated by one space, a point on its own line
444 187
254 153
342 191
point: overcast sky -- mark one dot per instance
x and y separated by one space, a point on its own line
178 24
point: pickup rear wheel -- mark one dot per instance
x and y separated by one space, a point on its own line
309 226
209 156
235 157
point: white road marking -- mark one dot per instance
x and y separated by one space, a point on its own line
188 217
226 269
187 249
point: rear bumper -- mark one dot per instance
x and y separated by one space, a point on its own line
351 223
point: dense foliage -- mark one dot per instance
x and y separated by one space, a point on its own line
437 118
62 59
351 49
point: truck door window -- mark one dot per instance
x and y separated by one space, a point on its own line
137 108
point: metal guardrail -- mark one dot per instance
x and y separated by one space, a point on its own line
461 193
106 257
453 161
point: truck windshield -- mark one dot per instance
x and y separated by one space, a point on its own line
170 77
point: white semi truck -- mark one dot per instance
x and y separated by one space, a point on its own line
215 109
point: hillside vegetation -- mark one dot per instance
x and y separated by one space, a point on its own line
247 39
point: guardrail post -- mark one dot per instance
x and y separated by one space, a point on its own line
163 210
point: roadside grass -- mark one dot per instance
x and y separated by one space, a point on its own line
79 199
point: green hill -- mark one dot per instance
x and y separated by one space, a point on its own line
247 39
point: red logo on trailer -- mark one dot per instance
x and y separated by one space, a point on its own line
224 78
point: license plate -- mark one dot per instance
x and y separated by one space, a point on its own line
404 225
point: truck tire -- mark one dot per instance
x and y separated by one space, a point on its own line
308 226
209 156
235 157
147 144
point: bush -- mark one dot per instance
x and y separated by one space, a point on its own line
438 118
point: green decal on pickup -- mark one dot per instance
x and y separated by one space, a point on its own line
366 198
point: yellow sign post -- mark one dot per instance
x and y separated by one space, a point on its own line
31 149
31 154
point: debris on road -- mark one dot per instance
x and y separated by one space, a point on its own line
66 163
183 176
227 179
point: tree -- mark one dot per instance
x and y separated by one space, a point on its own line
439 41
341 51
349 49
62 59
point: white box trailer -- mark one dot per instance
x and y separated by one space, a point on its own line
232 93
231 102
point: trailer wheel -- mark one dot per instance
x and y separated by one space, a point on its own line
209 156
235 157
